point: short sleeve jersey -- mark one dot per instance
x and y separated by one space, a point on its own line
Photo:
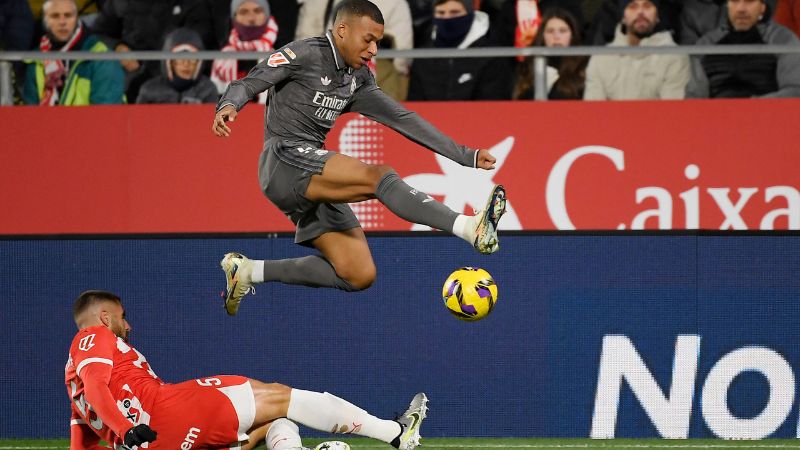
133 383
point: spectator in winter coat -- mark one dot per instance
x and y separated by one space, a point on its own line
283 11
565 76
142 25
730 76
457 25
698 17
638 76
16 33
253 30
604 22
180 80
75 83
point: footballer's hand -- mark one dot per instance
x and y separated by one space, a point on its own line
485 160
226 114
138 435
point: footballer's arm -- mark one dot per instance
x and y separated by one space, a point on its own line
277 68
372 102
96 377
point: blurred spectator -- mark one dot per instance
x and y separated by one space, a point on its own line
180 80
398 33
254 30
699 17
565 75
422 20
16 34
639 76
16 25
316 17
142 25
787 13
605 20
84 7
589 9
284 11
573 7
457 25
525 33
57 82
731 76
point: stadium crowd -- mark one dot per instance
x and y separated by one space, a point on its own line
265 25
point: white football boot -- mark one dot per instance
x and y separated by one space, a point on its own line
237 279
411 420
486 221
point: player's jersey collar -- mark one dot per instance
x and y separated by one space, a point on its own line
337 57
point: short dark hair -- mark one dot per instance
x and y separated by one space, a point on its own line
358 8
90 298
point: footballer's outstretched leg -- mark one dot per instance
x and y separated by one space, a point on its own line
480 230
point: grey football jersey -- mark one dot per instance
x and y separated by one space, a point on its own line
310 86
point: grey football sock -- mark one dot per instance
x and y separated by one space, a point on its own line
314 271
413 205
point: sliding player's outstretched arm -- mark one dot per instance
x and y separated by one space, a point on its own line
96 377
95 405
370 101
263 76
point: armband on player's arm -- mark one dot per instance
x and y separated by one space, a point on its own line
95 388
81 437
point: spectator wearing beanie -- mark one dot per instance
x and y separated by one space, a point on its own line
457 25
605 19
136 25
639 76
180 80
253 30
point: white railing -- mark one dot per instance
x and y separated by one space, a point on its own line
539 55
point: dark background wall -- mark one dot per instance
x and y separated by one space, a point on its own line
529 369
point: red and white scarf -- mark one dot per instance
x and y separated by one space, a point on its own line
223 71
55 69
529 18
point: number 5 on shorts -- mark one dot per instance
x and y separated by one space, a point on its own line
209 381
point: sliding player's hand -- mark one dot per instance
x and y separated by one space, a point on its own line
138 435
485 160
226 114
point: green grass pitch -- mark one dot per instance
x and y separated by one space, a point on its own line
494 444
